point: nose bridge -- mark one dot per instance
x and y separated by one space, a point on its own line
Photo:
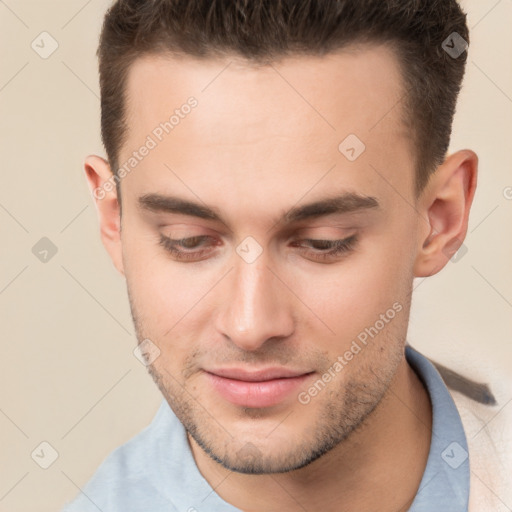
257 306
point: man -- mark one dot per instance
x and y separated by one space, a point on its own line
276 177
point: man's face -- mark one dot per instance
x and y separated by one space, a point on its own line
252 289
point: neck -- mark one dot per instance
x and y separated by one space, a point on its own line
378 467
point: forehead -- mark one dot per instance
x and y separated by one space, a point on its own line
255 123
365 78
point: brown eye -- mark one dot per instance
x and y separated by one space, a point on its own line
191 242
181 248
329 249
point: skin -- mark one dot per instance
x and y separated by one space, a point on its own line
252 149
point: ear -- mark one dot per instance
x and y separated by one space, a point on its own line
103 189
445 204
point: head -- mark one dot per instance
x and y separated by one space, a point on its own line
283 175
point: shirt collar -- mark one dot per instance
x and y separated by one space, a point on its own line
445 482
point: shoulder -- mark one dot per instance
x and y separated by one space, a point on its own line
485 408
123 480
489 435
110 483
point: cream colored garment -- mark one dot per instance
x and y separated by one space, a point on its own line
489 435
488 431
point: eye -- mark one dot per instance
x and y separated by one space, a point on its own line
328 249
196 247
181 248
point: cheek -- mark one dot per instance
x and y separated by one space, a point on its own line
352 295
166 295
155 278
169 299
155 289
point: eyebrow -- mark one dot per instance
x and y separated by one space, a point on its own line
348 202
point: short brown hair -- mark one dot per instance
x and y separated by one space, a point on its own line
265 30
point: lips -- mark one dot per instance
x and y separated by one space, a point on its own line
258 388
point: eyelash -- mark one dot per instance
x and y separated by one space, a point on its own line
337 247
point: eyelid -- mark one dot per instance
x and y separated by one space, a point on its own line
319 232
179 241
338 248
189 228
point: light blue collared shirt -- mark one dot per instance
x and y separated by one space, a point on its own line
156 472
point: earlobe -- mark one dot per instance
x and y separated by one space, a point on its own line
446 204
103 190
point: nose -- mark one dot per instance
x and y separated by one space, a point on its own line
257 306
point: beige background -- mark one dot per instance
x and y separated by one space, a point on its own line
69 376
